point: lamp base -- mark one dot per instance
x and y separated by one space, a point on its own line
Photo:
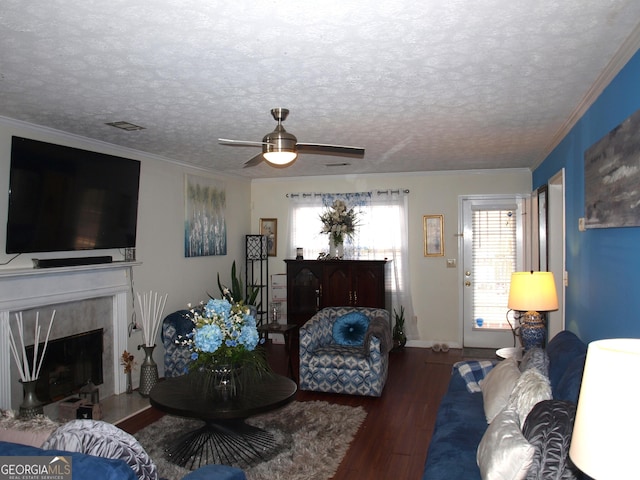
533 332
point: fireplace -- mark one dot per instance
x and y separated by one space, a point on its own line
85 298
69 363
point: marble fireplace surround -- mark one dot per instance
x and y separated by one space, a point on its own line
21 290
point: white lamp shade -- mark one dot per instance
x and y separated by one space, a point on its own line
533 291
280 158
603 444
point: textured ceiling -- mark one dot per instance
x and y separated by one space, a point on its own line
431 85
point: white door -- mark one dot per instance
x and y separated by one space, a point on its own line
493 248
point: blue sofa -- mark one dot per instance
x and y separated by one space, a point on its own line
461 422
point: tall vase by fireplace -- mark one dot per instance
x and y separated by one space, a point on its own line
148 371
30 406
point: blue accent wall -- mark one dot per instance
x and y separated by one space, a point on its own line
603 296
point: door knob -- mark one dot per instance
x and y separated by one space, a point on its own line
467 283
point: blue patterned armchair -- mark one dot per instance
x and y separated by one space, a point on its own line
176 357
329 366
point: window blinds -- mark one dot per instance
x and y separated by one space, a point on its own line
494 259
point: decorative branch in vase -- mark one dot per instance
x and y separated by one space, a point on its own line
29 374
151 311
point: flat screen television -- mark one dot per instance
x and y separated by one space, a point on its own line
64 199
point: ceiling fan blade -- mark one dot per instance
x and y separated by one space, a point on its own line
252 162
242 143
323 149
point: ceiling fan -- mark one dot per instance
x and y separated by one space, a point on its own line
280 148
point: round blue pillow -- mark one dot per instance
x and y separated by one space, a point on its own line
349 329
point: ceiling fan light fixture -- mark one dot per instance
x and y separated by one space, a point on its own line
280 158
279 147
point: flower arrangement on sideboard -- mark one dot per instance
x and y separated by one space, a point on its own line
339 222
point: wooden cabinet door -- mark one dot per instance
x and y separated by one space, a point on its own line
303 291
316 284
337 286
368 285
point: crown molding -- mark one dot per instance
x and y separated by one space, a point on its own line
626 51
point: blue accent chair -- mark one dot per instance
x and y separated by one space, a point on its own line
327 366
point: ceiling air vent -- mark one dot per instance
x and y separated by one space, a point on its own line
340 164
129 127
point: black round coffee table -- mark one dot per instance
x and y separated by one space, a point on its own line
224 438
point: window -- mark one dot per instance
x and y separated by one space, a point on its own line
494 257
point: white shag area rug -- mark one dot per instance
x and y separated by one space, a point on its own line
313 438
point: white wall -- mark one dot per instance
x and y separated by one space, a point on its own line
160 238
435 287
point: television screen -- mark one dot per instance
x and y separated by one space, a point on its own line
63 199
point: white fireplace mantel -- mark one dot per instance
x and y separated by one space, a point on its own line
32 288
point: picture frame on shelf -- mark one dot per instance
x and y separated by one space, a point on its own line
269 228
433 229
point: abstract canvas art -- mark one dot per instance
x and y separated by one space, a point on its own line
612 177
205 227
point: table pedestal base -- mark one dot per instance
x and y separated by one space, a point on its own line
230 442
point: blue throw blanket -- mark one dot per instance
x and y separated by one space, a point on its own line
473 371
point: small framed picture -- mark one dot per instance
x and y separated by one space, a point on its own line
269 228
433 226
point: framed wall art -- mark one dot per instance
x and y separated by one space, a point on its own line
611 177
269 228
433 229
205 227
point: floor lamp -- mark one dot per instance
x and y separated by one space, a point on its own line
532 293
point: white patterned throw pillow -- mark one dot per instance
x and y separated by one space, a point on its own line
497 387
531 388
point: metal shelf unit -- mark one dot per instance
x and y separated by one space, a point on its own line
257 273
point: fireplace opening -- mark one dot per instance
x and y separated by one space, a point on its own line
69 363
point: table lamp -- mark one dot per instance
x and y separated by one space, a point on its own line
532 293
607 420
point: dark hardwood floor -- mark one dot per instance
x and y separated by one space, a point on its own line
393 440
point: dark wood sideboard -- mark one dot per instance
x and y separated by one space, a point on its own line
315 284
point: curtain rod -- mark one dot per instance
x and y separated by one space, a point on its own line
377 192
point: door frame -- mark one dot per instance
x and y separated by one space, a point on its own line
557 249
555 234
